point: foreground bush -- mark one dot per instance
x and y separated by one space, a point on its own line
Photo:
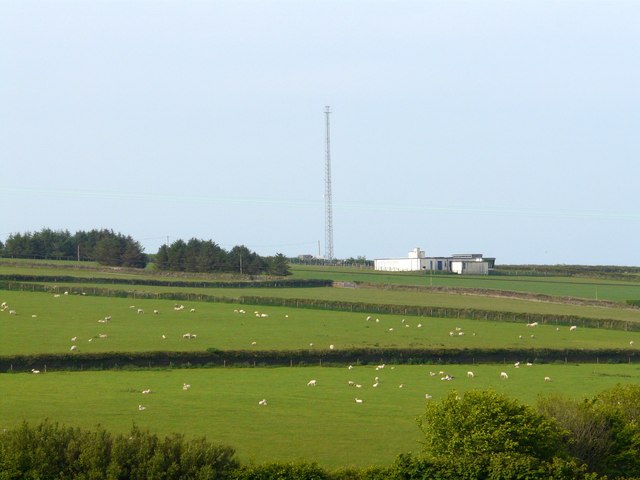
51 451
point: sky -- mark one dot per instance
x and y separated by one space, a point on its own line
508 128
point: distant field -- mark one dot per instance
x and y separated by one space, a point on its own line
593 289
322 423
45 324
389 296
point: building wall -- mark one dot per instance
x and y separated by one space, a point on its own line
399 264
469 267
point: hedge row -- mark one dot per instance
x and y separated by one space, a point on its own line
335 305
364 356
279 283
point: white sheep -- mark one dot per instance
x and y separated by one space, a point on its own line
186 386
547 379
573 328
141 407
331 347
263 402
470 374
147 391
140 310
312 383
504 375
359 400
427 396
156 311
73 348
73 339
33 370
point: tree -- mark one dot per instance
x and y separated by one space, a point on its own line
603 432
484 423
279 265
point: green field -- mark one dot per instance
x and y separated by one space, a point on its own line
45 323
321 423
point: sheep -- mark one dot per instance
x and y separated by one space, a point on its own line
33 370
401 385
263 402
351 383
631 343
448 378
254 343
470 374
156 311
380 367
192 310
164 337
186 335
147 391
375 385
517 364
391 329
140 311
34 316
547 379
350 367
312 383
311 344
368 318
573 328
107 318
533 324
427 396
141 407
12 312
264 315
73 339
102 335
419 325
73 348
186 386
359 400
504 376
357 385
331 347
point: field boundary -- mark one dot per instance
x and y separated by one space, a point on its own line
299 358
336 305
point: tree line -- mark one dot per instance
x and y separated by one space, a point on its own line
478 435
207 257
115 249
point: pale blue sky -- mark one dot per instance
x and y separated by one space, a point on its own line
509 128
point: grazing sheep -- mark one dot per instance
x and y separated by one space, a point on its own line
12 312
331 347
573 328
164 337
312 383
73 348
263 402
401 385
631 343
140 310
141 407
547 379
254 343
73 339
186 386
470 374
156 311
147 391
33 370
350 367
359 400
427 396
503 375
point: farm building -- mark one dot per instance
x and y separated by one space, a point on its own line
469 264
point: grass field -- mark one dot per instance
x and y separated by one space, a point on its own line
321 423
45 324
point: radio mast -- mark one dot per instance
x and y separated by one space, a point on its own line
328 231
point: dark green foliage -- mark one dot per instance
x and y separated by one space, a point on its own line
282 471
49 451
604 432
484 423
103 246
279 265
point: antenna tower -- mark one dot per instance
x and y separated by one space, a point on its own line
328 254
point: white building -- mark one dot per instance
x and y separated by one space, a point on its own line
463 264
